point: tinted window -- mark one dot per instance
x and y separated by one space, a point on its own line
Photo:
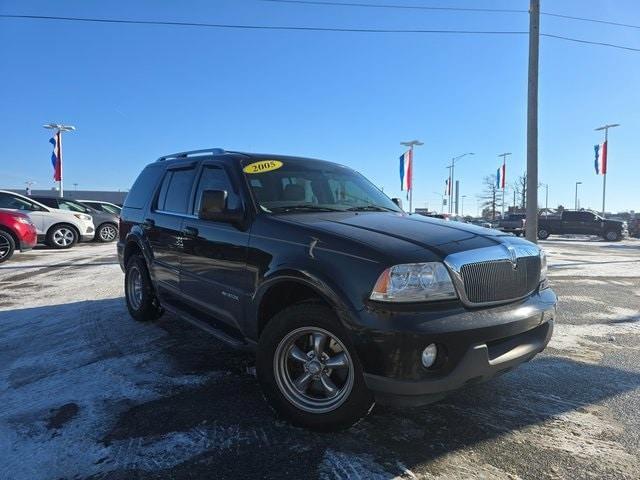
72 206
586 216
215 178
16 203
570 216
49 202
176 190
143 187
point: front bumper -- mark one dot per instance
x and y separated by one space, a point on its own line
88 234
475 345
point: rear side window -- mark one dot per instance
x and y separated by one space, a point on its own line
215 178
143 187
176 191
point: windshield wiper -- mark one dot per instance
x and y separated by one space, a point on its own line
312 208
370 208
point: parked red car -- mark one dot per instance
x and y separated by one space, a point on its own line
16 231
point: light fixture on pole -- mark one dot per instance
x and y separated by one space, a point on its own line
452 180
411 144
605 154
576 199
57 150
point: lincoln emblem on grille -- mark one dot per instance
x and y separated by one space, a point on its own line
513 257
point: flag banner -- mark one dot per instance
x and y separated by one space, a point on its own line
406 168
56 157
601 158
447 190
501 177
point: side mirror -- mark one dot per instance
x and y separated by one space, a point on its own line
397 201
213 206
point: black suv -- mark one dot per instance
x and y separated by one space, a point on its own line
345 298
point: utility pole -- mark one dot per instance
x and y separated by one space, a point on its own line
531 228
451 181
462 210
504 170
411 144
457 195
57 152
606 152
449 190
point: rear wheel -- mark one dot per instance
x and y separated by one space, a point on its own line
309 371
141 299
7 246
542 234
107 232
62 236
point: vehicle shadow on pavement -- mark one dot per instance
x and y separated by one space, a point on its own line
101 396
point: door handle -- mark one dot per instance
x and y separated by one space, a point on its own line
190 232
148 223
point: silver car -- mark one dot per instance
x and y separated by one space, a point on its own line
106 223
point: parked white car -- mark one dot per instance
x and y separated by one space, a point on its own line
57 228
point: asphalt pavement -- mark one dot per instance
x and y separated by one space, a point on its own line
86 392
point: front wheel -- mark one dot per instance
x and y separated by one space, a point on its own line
141 299
542 234
309 371
62 236
7 246
612 236
107 232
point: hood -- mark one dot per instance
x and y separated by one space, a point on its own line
385 230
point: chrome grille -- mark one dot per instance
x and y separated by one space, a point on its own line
497 280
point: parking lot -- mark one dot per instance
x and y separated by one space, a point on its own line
86 392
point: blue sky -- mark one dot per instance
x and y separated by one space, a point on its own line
137 92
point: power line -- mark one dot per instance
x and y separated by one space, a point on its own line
589 42
259 27
454 9
311 29
405 7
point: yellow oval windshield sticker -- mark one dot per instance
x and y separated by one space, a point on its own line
262 166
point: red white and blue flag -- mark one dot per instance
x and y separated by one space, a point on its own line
501 177
406 171
601 158
56 156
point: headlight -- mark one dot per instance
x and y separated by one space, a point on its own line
544 283
82 216
414 282
24 220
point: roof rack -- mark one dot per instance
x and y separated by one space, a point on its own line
174 156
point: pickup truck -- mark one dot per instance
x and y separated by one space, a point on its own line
513 223
345 298
581 222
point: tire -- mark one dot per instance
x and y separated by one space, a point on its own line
612 236
107 232
281 361
62 236
517 234
7 246
138 289
543 234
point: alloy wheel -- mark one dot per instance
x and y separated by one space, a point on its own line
63 237
5 247
108 233
313 370
134 288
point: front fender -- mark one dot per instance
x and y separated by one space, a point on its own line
136 237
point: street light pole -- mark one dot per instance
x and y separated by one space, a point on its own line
576 199
452 180
411 144
60 128
604 175
462 210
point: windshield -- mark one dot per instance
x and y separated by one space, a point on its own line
299 185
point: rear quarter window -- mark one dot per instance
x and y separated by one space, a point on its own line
143 188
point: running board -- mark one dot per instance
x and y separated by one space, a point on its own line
216 332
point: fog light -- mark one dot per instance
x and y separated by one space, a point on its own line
429 355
